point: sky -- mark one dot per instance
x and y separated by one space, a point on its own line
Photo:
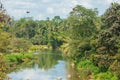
41 9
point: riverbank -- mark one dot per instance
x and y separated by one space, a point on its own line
32 48
39 48
86 70
11 62
45 60
14 61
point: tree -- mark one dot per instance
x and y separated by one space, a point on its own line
25 28
19 45
4 36
82 24
112 15
107 57
109 38
4 41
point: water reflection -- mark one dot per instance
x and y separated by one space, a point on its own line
47 60
46 66
40 74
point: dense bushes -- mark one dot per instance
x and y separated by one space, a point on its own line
18 58
90 47
87 70
105 76
87 64
19 45
4 67
9 61
4 41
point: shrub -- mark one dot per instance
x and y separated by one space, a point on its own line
28 55
18 58
87 64
102 61
105 76
11 58
115 68
19 44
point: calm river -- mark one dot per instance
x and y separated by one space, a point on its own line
49 65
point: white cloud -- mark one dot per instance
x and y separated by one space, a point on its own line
50 10
74 2
45 1
18 13
40 17
30 74
27 4
106 2
41 9
86 3
64 10
109 1
23 4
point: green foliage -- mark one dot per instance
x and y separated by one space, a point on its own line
24 28
87 64
108 41
105 76
29 55
8 62
39 40
102 61
112 15
82 49
82 22
115 68
19 45
4 41
41 33
12 58
4 18
108 44
34 48
4 36
54 40
3 67
44 32
39 48
18 57
81 34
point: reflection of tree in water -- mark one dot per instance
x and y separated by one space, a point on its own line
48 59
44 60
